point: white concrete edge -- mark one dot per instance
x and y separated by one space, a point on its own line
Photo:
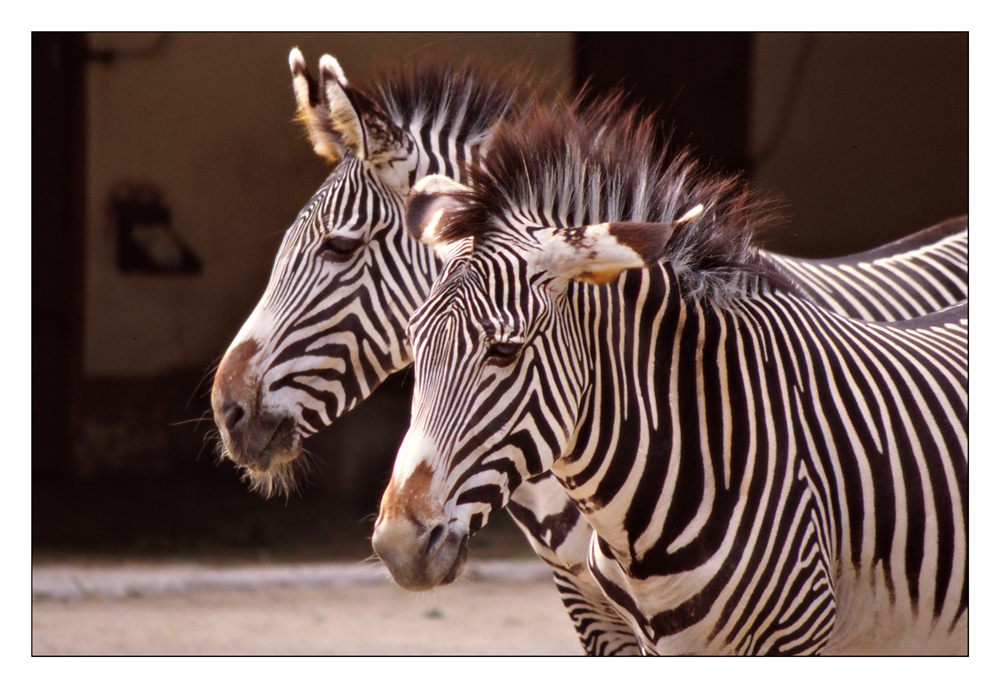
66 582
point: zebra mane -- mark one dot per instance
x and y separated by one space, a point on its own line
605 163
467 98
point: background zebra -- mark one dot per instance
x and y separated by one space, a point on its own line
916 275
330 325
763 475
312 349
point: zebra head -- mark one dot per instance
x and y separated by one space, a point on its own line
486 413
331 323
506 344
297 363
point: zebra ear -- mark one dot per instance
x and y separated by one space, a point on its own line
599 253
346 130
340 119
432 202
312 109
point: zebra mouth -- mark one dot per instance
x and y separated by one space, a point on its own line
266 444
274 468
285 444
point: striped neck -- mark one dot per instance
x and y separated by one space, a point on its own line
664 371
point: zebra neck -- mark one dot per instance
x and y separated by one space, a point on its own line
659 460
706 426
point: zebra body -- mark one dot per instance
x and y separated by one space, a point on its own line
847 577
763 475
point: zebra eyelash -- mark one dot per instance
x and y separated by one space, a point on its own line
503 352
502 347
339 248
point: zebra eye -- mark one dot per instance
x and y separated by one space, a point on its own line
502 353
339 247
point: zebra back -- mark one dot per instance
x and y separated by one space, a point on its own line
920 273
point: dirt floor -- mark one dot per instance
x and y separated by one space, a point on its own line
509 608
118 569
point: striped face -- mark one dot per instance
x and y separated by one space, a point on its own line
499 375
329 327
481 423
331 324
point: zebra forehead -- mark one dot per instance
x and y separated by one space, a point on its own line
333 204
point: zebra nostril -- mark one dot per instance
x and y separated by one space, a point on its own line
233 413
434 540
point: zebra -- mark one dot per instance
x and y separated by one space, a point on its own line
763 475
310 350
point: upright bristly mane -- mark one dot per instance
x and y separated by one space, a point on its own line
604 163
465 99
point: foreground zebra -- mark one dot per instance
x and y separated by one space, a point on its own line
763 475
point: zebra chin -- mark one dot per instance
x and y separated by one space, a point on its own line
280 479
275 464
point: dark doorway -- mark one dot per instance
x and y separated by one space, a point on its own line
57 211
697 82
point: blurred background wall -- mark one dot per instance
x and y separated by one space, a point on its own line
166 168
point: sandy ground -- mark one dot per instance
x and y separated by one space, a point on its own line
496 608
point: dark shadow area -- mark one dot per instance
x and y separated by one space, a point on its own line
127 467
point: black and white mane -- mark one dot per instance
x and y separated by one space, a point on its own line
603 163
465 100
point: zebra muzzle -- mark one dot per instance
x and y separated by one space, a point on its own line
254 437
420 555
258 440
